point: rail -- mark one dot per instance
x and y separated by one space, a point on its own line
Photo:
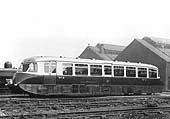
105 107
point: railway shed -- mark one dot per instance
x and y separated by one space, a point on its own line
150 50
102 52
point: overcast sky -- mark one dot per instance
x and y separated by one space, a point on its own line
65 27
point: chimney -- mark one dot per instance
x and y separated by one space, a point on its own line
101 49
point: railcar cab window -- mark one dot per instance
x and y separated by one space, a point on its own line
96 69
142 72
67 68
32 67
131 71
118 70
24 67
107 70
81 69
152 73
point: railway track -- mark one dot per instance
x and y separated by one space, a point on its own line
101 107
101 113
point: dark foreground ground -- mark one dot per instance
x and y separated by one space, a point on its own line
111 107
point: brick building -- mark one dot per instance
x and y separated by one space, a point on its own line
155 51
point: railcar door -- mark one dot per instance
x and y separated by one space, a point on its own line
50 73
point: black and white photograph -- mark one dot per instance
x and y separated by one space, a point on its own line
84 59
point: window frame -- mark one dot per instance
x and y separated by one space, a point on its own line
46 67
111 72
84 66
155 71
99 69
25 67
143 71
50 66
130 69
70 67
53 64
122 67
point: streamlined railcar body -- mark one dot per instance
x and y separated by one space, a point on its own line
53 76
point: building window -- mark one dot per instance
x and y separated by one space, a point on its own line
142 72
107 70
131 71
67 69
96 69
152 73
81 69
118 70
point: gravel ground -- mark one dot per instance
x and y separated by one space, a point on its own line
23 108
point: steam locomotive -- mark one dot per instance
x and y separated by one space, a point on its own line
57 76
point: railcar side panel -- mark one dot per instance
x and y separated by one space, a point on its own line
71 85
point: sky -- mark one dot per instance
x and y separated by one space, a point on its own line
66 27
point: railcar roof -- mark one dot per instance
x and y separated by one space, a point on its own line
79 60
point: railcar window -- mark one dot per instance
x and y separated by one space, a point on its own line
96 69
81 69
152 73
142 72
32 67
131 71
53 67
67 69
118 71
107 70
46 67
25 67
50 67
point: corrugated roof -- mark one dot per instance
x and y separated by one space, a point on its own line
159 40
97 52
163 53
107 56
111 47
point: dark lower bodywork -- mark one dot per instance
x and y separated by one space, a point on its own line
52 85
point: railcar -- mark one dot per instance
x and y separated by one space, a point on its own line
57 76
